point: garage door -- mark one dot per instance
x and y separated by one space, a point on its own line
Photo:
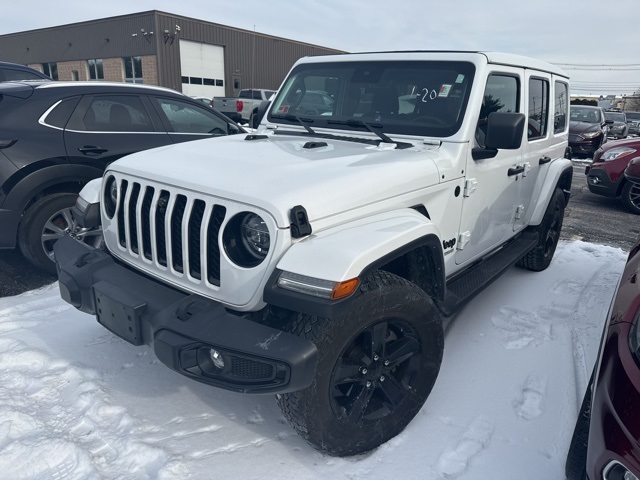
202 69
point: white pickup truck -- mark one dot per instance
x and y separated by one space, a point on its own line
251 98
319 257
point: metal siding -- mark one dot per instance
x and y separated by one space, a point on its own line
273 56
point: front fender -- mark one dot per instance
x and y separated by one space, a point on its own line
559 175
345 251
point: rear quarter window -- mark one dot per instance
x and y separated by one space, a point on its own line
59 116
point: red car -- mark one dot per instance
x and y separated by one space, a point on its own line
606 440
605 176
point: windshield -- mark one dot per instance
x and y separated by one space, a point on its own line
425 98
617 117
585 114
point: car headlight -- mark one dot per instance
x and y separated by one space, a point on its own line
110 196
617 153
246 239
591 134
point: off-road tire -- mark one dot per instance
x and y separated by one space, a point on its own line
539 258
54 208
631 197
387 316
575 468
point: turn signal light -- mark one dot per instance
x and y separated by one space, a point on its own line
344 289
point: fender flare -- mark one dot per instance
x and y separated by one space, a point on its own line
40 180
559 175
352 250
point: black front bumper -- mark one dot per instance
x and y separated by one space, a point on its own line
184 330
599 182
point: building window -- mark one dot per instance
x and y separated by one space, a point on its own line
133 69
74 75
95 69
50 69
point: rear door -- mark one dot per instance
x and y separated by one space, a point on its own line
106 127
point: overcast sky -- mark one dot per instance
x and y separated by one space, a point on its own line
601 37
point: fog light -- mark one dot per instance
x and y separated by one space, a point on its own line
216 358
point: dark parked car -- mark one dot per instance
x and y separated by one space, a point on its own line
632 172
619 128
606 439
56 136
587 129
605 176
633 119
14 71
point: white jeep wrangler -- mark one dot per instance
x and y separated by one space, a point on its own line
318 257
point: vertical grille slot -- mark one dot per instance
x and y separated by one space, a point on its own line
213 250
193 235
145 220
161 237
133 218
122 235
176 233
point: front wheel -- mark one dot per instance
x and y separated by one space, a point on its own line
631 197
377 364
45 222
540 256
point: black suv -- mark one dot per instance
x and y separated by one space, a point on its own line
14 71
56 136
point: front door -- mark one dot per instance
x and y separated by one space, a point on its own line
491 194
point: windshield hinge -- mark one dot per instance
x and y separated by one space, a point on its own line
463 239
470 186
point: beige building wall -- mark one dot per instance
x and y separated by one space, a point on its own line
112 68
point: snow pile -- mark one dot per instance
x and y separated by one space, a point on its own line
76 402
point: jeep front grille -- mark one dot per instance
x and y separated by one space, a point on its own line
167 229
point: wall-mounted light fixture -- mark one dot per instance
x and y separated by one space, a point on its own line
171 37
147 35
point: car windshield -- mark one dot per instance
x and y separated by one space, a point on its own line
615 116
425 98
585 114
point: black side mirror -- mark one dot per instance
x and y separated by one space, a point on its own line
258 114
505 130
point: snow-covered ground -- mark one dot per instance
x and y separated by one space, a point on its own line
76 402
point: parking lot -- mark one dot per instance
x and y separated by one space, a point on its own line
588 217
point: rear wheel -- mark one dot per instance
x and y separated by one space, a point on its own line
45 222
377 364
631 197
540 256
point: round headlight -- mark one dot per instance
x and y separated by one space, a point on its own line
110 196
246 239
255 235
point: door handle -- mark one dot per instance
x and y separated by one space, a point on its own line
92 150
515 170
544 160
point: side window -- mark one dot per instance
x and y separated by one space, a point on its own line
117 113
538 108
59 116
186 118
245 94
502 94
257 95
561 110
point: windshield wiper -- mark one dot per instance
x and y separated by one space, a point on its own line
372 128
298 119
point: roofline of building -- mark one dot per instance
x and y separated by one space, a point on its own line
166 14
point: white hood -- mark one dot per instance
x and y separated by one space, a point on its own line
277 173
